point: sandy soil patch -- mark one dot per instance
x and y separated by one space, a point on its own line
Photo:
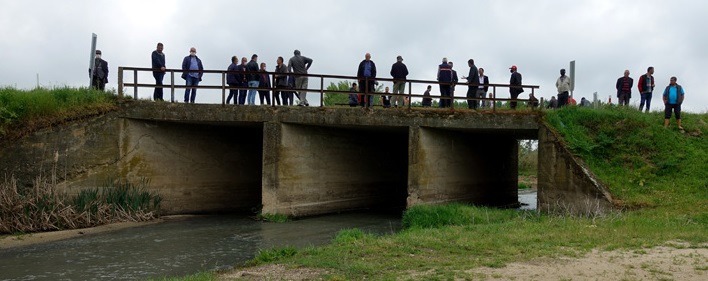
274 272
673 262
660 263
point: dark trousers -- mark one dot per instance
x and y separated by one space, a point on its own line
646 98
366 87
159 76
563 99
233 94
242 94
264 95
515 95
472 93
287 97
276 95
445 91
676 109
98 84
623 99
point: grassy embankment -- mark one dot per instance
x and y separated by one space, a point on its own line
41 207
657 176
23 111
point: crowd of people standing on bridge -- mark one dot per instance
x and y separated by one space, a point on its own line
287 86
245 76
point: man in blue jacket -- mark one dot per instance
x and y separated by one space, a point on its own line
191 62
158 66
673 98
445 78
367 79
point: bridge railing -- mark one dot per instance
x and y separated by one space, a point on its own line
321 90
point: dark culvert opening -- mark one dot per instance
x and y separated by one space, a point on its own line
203 168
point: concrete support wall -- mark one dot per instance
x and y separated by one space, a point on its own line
457 166
82 151
196 168
564 182
312 170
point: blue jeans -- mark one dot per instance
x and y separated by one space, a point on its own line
252 92
646 98
191 81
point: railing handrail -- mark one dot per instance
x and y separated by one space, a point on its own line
273 87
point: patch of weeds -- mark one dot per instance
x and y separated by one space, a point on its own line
273 254
349 235
273 217
524 186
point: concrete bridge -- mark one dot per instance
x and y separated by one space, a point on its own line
304 161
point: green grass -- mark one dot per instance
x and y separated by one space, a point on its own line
27 107
660 173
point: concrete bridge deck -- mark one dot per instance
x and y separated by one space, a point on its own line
304 161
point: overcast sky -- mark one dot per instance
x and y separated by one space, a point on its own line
604 37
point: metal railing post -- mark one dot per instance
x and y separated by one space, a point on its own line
223 88
135 84
410 93
172 86
120 82
321 91
494 98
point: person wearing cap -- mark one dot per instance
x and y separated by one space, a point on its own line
366 75
191 62
445 79
253 78
624 88
299 64
158 66
399 72
563 87
673 98
514 81
99 77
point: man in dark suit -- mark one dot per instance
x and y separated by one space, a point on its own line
264 83
99 77
514 81
483 85
158 66
472 80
